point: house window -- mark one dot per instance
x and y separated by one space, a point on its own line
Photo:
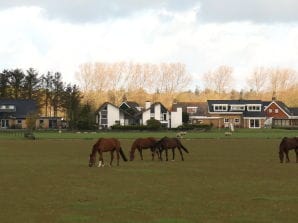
276 111
164 117
270 110
237 107
236 120
220 107
19 121
253 107
191 110
254 123
226 120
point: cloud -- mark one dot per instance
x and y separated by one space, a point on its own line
92 11
82 11
264 11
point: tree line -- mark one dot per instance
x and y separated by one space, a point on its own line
168 82
52 95
139 82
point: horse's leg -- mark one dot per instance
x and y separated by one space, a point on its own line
296 151
166 154
287 156
281 156
118 156
100 160
181 153
152 152
141 153
112 157
173 152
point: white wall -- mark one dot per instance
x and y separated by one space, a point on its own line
113 115
145 117
176 118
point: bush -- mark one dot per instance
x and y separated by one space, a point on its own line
185 127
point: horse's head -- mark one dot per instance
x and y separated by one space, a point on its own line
132 156
91 160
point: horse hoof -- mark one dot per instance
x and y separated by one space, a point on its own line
173 160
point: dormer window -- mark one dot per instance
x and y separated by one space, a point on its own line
191 110
8 108
253 107
220 107
237 107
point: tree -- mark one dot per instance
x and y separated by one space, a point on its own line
4 84
47 86
31 84
219 80
58 89
257 80
71 103
86 118
281 79
16 80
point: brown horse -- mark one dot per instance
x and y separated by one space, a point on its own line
140 144
106 145
285 145
170 143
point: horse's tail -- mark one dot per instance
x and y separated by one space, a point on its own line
122 155
282 144
180 144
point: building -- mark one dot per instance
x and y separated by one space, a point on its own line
14 112
280 115
130 113
236 113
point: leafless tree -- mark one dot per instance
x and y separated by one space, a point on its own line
258 79
219 80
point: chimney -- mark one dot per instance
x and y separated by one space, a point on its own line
147 104
274 96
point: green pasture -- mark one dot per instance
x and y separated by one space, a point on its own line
213 134
230 180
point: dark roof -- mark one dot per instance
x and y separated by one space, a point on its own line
202 107
153 105
22 107
294 111
104 104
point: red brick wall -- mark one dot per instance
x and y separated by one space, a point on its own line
274 108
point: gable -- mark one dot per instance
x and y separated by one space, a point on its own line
276 110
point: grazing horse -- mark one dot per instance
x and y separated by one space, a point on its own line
143 143
170 143
285 145
106 145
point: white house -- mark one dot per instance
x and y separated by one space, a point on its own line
130 113
107 115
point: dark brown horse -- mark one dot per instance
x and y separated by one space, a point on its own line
106 145
170 143
285 145
143 143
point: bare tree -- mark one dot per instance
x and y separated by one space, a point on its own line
85 76
219 80
281 79
258 79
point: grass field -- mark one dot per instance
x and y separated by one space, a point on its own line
221 180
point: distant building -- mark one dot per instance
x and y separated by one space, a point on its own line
130 113
13 114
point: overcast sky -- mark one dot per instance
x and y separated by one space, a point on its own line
54 35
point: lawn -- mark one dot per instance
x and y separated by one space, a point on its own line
221 180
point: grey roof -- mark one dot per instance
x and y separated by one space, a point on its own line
22 107
202 107
294 111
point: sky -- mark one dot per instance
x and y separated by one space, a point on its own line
59 35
